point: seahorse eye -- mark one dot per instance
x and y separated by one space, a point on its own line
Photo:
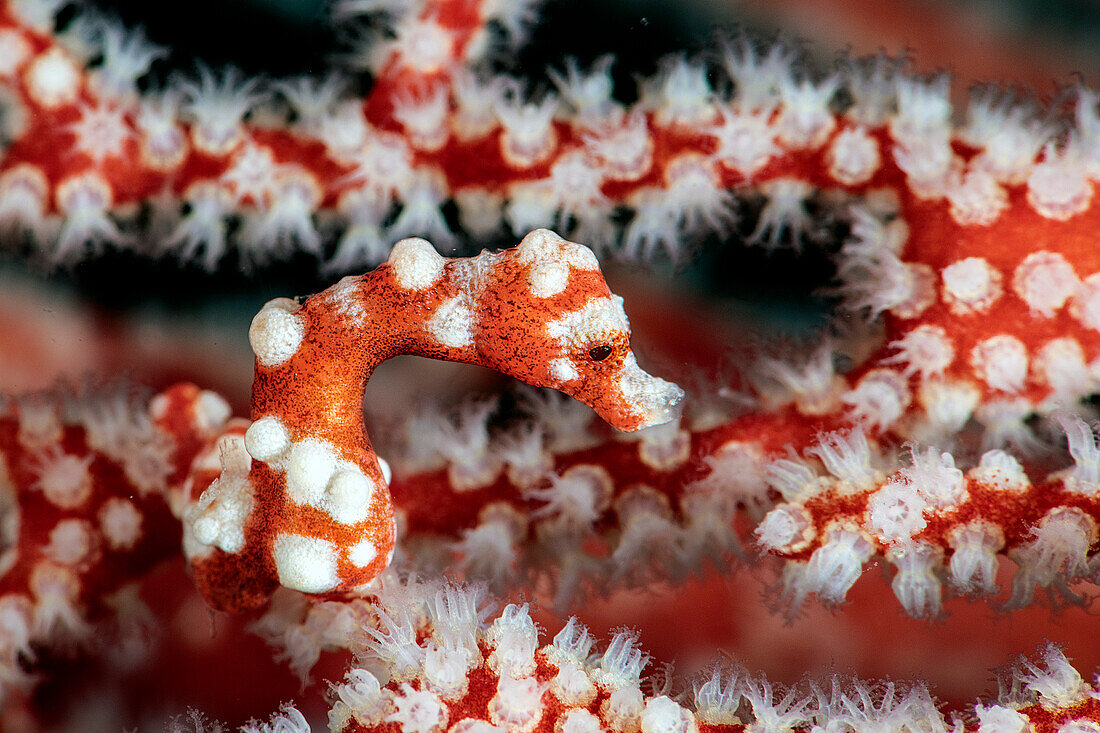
599 353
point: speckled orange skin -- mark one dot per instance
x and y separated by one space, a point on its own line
318 393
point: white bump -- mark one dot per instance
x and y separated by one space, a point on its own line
543 245
976 198
854 156
362 553
452 324
971 285
786 528
211 411
1001 362
548 279
64 479
53 79
305 564
1085 306
348 497
1045 281
218 518
14 51
599 319
415 264
71 542
276 332
267 439
120 523
309 467
563 370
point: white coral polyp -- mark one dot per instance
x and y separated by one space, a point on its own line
1001 362
1045 281
896 512
663 715
418 711
518 703
970 285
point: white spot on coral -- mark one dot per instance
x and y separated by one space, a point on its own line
926 350
415 264
1085 306
14 51
306 564
976 198
62 477
1059 187
120 523
418 711
786 528
211 411
578 720
71 542
896 512
970 285
101 132
276 332
1045 281
1001 362
854 156
453 323
53 79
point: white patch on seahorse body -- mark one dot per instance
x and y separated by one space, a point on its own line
362 553
309 467
415 264
597 319
305 564
267 439
219 517
453 323
276 332
548 279
349 495
563 370
344 296
655 400
543 245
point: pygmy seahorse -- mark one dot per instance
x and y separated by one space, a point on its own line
301 501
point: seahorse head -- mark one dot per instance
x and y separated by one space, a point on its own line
547 317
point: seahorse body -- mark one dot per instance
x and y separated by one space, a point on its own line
300 500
